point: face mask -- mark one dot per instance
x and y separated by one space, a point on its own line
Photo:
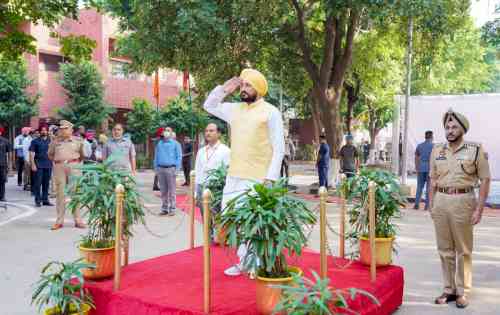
167 134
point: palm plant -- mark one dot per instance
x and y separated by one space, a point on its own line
94 193
388 200
61 286
305 296
270 223
216 181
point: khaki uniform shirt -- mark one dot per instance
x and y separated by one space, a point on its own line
66 150
461 168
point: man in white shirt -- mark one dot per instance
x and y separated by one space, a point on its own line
19 148
257 137
28 174
210 157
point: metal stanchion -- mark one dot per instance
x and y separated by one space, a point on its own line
342 221
120 191
206 251
323 193
372 222
192 211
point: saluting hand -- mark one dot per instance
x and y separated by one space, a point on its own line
232 85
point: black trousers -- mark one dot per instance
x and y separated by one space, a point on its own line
186 167
41 184
20 169
284 166
3 180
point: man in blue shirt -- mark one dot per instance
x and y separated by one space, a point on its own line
41 166
168 157
323 162
422 158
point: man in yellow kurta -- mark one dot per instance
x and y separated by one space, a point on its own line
257 137
456 167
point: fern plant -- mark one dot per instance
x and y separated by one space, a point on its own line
271 223
61 286
94 193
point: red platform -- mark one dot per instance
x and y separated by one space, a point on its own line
173 284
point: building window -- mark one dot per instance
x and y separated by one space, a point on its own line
119 71
48 62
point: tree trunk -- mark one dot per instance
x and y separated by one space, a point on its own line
329 109
352 99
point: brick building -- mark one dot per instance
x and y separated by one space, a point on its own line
120 88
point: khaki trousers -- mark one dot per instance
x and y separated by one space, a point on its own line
452 215
62 176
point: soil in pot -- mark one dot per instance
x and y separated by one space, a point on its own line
102 258
267 296
72 310
383 250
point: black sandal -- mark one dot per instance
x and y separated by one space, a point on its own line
445 298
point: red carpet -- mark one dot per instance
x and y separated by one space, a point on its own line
173 284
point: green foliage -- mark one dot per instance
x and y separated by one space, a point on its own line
216 181
76 48
85 91
388 200
14 42
143 161
490 33
94 193
269 222
140 121
305 296
457 65
15 104
182 116
61 286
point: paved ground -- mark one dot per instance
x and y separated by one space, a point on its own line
27 244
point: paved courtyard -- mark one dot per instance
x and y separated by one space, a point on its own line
27 244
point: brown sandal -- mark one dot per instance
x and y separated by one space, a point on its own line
462 301
445 298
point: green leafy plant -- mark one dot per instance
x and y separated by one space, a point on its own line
61 286
143 161
94 193
216 181
388 200
270 223
305 296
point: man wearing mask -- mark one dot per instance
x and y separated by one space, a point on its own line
5 148
18 146
41 165
323 161
121 150
66 152
167 161
349 158
257 138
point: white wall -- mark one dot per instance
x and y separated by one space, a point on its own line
482 110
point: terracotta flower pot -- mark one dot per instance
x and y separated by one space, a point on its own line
383 250
102 258
267 296
72 309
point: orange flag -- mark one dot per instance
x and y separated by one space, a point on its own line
156 87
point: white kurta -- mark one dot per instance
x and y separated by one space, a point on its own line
210 157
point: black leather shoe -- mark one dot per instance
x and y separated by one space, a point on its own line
47 203
38 205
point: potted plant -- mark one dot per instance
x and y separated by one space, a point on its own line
61 287
388 200
94 194
215 182
271 224
305 296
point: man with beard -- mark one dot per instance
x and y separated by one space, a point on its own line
456 167
41 166
257 138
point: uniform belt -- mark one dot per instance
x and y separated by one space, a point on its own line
166 166
455 191
67 161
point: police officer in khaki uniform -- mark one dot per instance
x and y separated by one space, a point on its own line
66 151
456 167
